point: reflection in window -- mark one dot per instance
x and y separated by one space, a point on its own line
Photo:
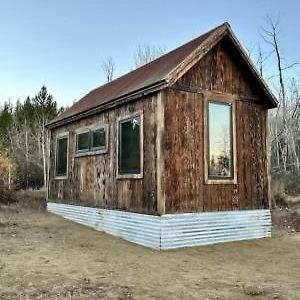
220 140
129 146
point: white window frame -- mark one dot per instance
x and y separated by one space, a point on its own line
92 151
58 137
122 119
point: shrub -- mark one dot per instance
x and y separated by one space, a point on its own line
32 199
292 185
7 195
279 200
28 175
283 186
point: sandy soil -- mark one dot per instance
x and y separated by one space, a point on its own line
46 257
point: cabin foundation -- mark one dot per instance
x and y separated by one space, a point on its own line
171 231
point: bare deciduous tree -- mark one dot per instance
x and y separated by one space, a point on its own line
284 129
108 67
270 36
146 53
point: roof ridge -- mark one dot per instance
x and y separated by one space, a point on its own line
216 32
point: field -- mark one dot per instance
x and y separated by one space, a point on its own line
46 257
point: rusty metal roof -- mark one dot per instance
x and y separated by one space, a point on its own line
151 74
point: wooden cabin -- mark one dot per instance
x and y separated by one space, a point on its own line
171 154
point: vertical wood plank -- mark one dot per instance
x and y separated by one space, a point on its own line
160 158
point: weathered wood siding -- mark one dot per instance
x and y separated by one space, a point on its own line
185 189
92 179
222 70
174 144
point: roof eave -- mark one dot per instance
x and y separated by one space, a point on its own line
153 88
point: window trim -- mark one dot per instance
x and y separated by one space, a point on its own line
119 120
92 151
219 99
58 137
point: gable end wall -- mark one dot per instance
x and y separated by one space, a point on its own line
218 73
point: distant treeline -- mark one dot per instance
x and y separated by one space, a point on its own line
24 140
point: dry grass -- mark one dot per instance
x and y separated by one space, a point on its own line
46 257
287 219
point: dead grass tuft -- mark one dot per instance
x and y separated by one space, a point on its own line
80 290
251 290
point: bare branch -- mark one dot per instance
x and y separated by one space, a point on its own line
146 53
108 67
290 66
262 56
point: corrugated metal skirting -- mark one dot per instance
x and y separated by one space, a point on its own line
136 228
174 230
194 229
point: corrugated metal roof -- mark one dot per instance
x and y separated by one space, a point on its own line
142 78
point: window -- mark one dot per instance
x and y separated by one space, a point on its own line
130 144
91 141
62 156
220 144
98 139
83 142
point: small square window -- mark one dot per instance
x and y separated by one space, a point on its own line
98 139
83 142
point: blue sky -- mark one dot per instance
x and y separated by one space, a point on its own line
62 43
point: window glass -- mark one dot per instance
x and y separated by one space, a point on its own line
98 138
129 146
83 142
62 156
220 140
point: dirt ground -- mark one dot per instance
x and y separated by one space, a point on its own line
43 256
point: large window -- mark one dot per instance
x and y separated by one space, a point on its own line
220 145
91 141
130 142
62 156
